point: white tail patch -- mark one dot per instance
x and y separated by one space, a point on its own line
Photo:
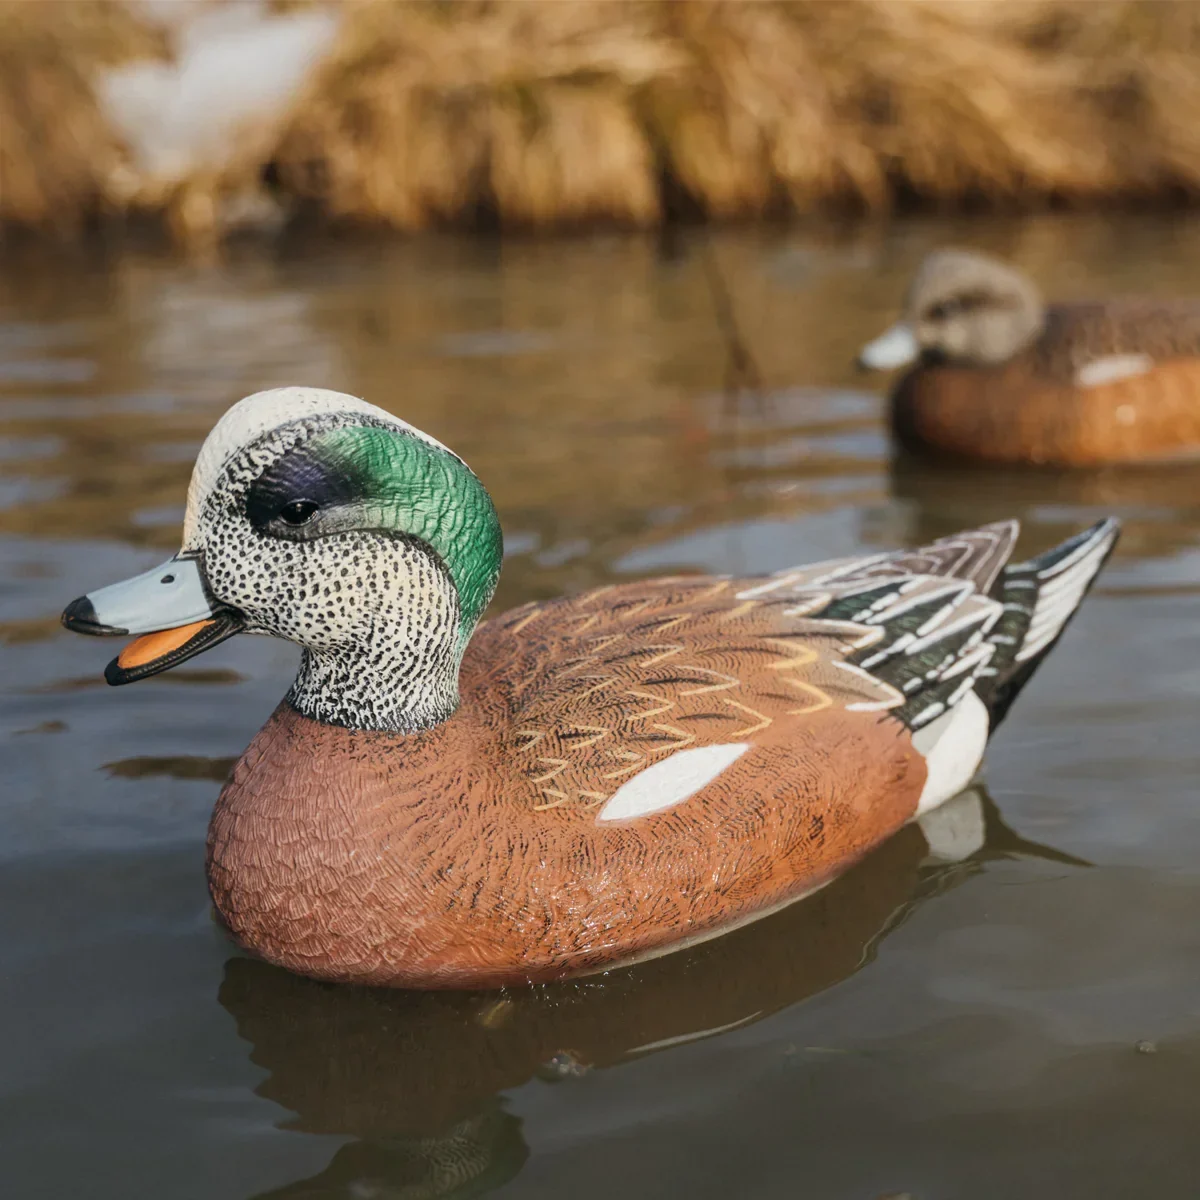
1112 368
671 781
953 747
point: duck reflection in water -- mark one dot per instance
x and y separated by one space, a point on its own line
415 1078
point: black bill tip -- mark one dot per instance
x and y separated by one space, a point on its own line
80 617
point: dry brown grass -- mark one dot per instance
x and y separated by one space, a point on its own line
532 113
56 151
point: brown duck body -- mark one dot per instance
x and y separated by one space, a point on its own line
471 853
1037 407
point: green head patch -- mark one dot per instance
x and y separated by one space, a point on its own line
386 480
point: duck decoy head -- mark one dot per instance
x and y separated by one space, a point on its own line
963 308
316 517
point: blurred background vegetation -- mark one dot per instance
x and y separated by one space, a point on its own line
211 116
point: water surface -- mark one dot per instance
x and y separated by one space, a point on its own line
1024 1022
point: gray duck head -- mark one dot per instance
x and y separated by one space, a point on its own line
962 308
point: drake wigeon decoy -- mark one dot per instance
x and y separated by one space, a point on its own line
575 784
997 375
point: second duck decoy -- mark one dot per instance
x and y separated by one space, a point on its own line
995 374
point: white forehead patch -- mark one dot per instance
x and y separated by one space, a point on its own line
258 414
671 781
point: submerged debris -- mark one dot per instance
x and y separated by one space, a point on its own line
566 1064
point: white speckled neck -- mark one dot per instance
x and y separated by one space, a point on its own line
399 671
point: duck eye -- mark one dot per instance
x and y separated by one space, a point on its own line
299 512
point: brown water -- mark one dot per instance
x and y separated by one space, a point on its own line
1025 1022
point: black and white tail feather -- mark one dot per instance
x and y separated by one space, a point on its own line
955 632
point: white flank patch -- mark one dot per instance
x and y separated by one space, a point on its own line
1111 368
895 348
258 414
671 781
956 829
953 747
